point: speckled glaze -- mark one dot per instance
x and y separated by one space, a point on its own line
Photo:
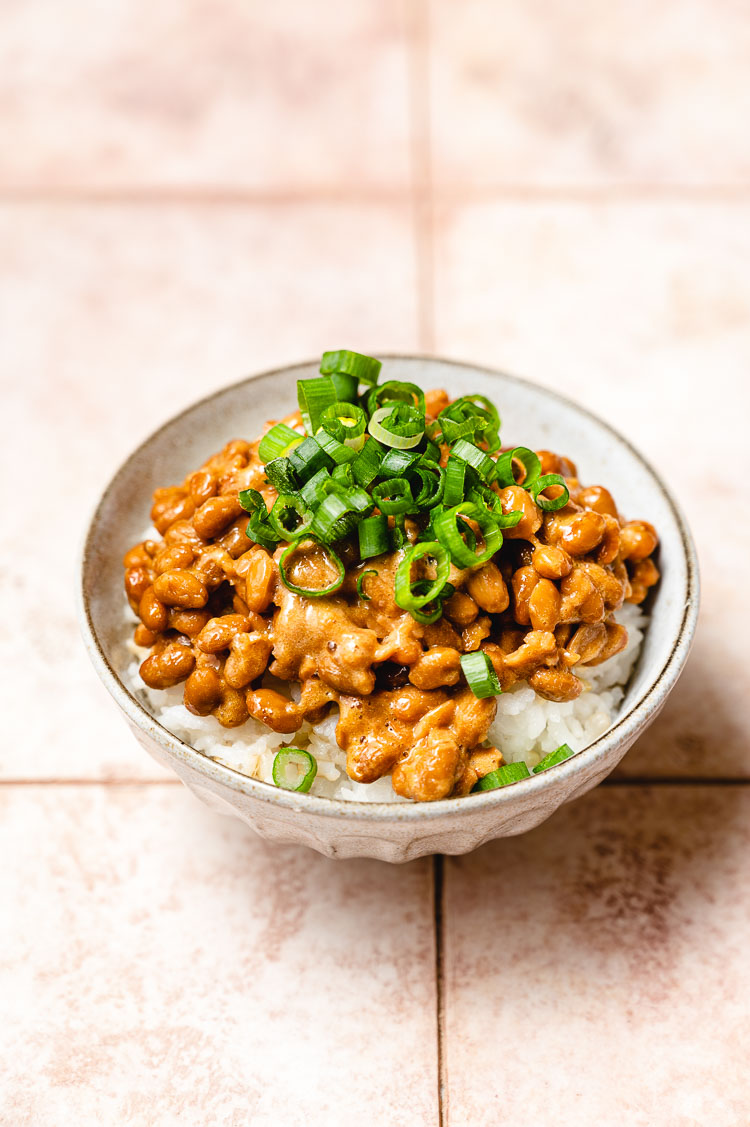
399 832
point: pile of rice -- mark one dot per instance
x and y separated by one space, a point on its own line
526 727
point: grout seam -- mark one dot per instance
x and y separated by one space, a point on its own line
421 192
439 920
421 187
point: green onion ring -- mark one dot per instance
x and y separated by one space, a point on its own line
394 496
503 776
344 421
286 503
406 418
360 583
505 474
365 369
447 531
373 536
480 674
475 458
395 391
290 757
311 592
313 396
560 754
404 591
278 441
547 504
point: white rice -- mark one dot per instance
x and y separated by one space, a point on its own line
526 727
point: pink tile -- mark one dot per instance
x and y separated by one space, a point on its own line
239 95
111 319
642 313
161 965
596 968
548 93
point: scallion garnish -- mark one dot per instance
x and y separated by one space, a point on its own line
313 396
365 369
553 758
373 536
294 769
453 532
399 425
277 441
311 592
361 580
394 496
529 461
406 593
549 504
307 458
368 445
480 675
508 773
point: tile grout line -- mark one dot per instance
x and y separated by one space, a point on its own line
439 920
421 188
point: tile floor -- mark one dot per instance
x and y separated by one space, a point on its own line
192 191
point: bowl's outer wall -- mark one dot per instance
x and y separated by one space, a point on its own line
533 417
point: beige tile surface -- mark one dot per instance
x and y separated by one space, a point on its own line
162 965
113 318
548 93
238 95
641 312
595 969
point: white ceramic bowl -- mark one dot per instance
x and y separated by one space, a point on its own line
397 832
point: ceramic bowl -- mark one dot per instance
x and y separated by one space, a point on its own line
531 415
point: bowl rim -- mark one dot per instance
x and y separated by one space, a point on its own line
624 726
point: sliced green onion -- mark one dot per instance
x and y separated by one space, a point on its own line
474 457
553 758
394 496
365 369
448 533
360 582
505 473
480 674
455 481
347 387
508 773
289 516
252 501
431 484
316 489
401 426
281 475
277 441
396 391
311 592
335 517
406 596
313 396
547 504
397 462
306 459
373 536
345 421
339 452
486 498
366 465
294 769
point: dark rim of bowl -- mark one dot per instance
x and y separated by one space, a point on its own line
318 805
